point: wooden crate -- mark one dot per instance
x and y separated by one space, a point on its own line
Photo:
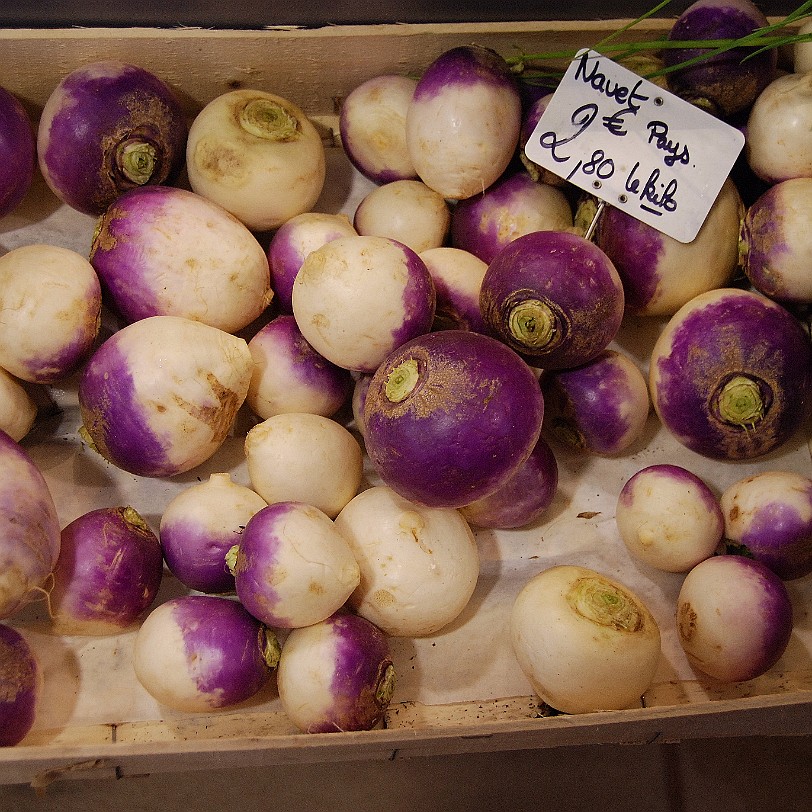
316 69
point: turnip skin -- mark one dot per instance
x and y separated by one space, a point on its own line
20 686
292 567
258 156
553 297
290 376
669 518
777 242
768 517
165 251
197 653
96 119
109 569
600 407
336 675
200 525
372 127
802 51
18 158
29 526
51 302
463 123
293 241
333 306
159 396
584 641
659 273
729 375
18 410
734 617
512 206
450 416
419 565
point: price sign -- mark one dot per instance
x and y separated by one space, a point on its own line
634 145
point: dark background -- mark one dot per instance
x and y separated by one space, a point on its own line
314 13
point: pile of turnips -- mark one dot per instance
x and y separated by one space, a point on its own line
407 375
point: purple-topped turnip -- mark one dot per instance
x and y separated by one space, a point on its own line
200 525
356 299
197 653
600 407
776 242
258 155
511 207
768 517
729 375
725 83
51 301
293 241
108 572
162 251
734 617
159 396
659 273
108 127
18 152
20 684
18 409
450 416
29 528
336 675
530 118
372 126
462 125
292 567
554 297
669 518
290 376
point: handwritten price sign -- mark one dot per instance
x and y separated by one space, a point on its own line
634 145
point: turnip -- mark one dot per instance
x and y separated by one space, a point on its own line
725 83
356 299
669 518
600 407
450 416
18 157
530 118
18 410
290 376
523 498
292 567
108 572
463 123
554 297
457 275
258 155
159 396
768 517
372 127
512 206
336 675
20 686
359 394
734 617
107 127
660 273
197 653
729 375
293 241
776 242
162 251
584 641
50 300
419 565
302 457
407 211
200 525
29 528
802 49
777 144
